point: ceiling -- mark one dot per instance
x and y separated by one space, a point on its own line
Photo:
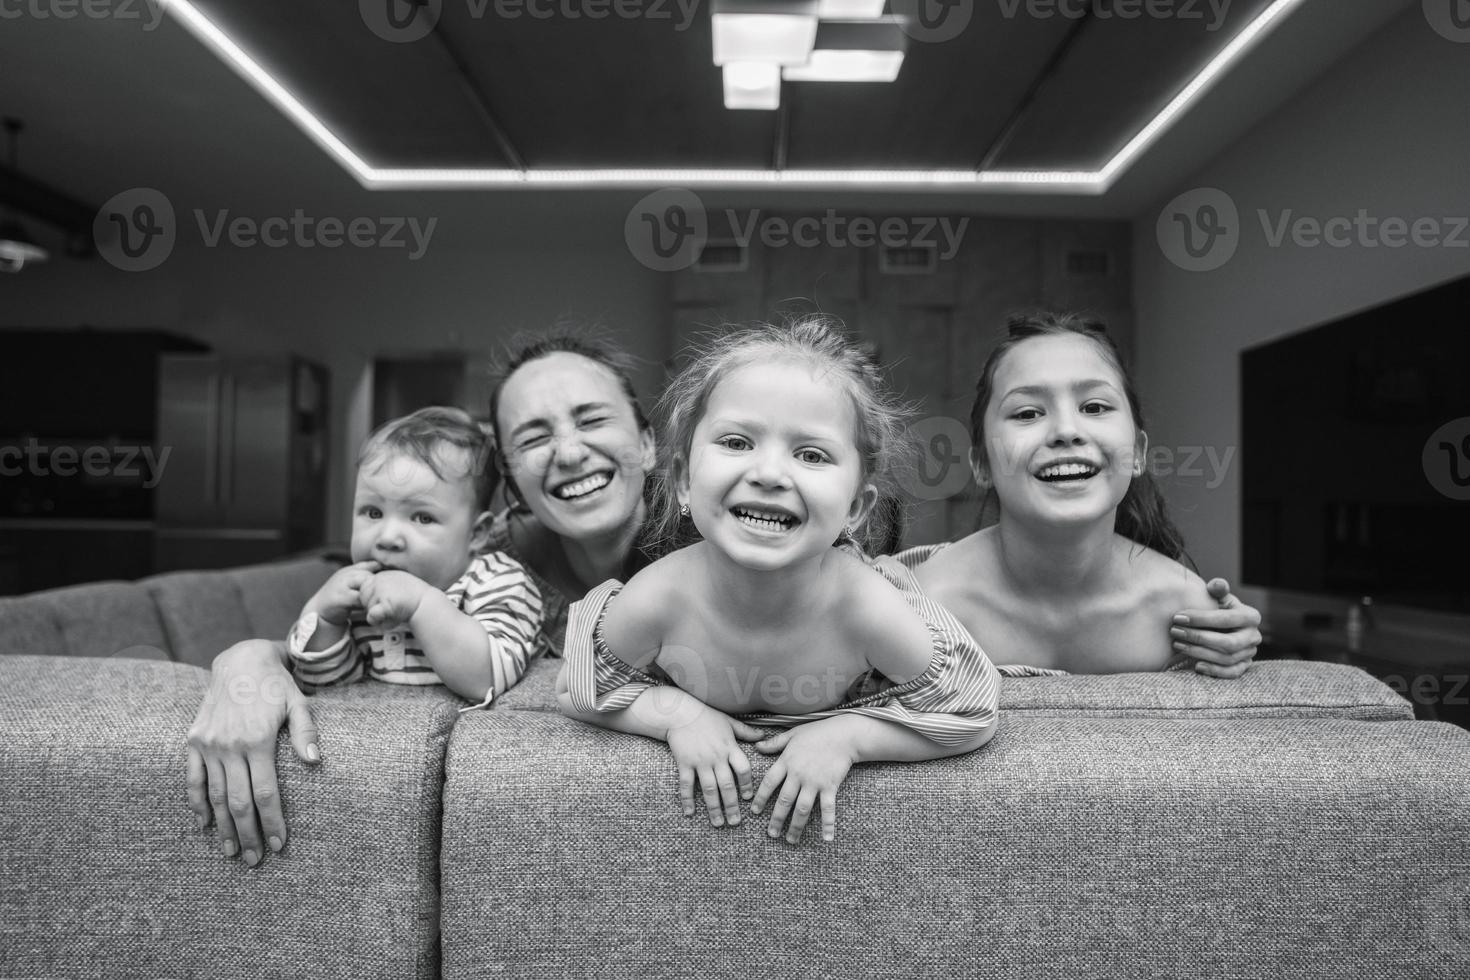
113 103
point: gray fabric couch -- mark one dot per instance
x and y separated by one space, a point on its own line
1297 822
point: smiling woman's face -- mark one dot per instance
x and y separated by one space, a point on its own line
573 446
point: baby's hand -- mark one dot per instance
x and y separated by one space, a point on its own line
811 768
706 748
340 594
392 597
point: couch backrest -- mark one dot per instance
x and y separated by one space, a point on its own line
205 612
184 616
99 619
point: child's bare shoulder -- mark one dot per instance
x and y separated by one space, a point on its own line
1163 583
879 621
638 617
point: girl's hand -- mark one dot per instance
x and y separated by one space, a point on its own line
813 764
706 748
1222 641
392 597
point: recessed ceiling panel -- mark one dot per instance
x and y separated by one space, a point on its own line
1116 76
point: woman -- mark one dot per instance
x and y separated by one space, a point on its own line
576 449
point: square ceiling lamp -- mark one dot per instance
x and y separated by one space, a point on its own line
850 9
854 51
752 85
774 32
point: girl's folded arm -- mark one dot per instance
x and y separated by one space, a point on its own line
632 628
954 712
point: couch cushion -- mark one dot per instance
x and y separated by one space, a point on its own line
101 619
1271 688
536 691
105 873
1068 847
205 612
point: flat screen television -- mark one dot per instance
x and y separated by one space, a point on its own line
1355 455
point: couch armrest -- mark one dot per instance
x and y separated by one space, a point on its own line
103 868
1068 847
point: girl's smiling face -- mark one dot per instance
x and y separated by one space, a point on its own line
573 445
1061 447
773 472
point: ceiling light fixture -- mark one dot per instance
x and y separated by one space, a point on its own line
752 85
850 9
777 32
1037 181
854 51
17 248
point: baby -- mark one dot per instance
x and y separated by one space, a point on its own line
420 604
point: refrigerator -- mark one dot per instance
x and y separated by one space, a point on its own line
245 476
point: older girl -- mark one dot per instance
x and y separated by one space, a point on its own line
1081 570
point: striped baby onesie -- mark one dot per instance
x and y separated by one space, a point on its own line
495 590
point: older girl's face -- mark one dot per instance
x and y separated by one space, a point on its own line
1059 436
573 445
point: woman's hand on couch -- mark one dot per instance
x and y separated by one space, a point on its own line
1222 642
232 748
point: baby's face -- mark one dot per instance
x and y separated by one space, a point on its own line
406 517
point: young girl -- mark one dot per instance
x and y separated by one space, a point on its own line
777 442
1081 570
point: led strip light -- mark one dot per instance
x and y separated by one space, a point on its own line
377 178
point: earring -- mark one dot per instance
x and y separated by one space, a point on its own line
847 530
684 511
